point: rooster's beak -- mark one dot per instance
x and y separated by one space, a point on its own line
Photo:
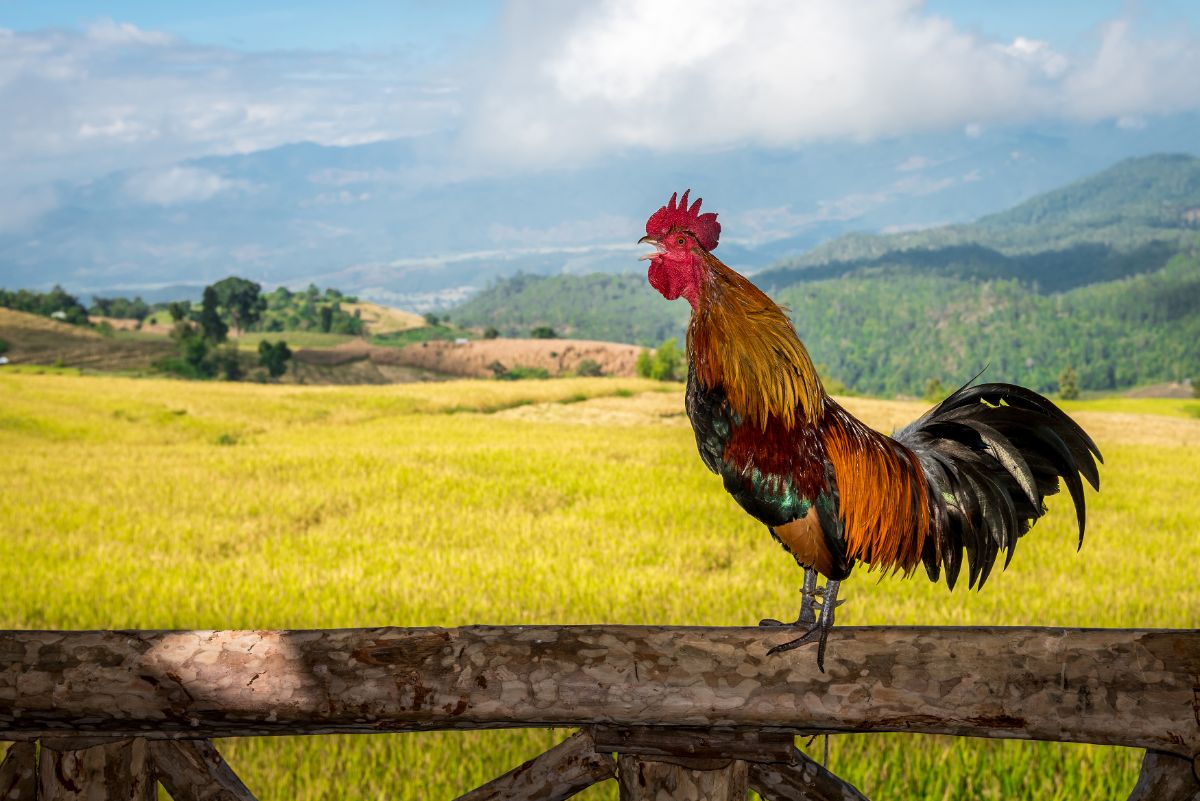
649 240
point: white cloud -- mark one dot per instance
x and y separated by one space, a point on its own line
78 104
700 74
110 32
175 185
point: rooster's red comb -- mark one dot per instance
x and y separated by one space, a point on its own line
704 226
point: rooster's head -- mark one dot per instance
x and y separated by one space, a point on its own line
681 235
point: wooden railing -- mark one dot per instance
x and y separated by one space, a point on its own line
691 712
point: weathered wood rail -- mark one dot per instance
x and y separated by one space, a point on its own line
692 712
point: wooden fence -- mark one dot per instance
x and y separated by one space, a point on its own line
692 712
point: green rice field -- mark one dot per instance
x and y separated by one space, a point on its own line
128 503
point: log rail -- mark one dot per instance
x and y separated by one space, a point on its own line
692 712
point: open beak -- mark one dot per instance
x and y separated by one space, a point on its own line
649 240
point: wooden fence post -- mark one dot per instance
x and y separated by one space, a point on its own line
74 769
683 779
18 773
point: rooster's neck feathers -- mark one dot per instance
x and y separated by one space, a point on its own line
744 343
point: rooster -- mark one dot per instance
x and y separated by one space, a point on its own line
971 474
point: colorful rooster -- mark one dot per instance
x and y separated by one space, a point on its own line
970 475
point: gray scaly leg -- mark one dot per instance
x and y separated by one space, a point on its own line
819 629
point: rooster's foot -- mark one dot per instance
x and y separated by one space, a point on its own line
816 627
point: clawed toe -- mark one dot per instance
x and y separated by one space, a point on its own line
770 621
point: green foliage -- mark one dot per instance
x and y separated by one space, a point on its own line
664 364
242 301
57 303
1195 384
315 310
194 359
274 357
228 362
120 308
589 368
211 324
431 318
3 346
179 310
1068 383
1136 202
616 308
935 391
885 334
490 332
644 364
413 336
543 332
517 373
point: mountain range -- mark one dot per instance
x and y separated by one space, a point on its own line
409 223
1101 275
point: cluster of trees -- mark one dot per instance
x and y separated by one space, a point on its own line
666 363
617 308
311 309
200 334
57 303
123 308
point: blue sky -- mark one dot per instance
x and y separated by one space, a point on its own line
308 24
387 24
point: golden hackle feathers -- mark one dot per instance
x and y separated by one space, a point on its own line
742 341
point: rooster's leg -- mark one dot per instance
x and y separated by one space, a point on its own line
808 597
818 631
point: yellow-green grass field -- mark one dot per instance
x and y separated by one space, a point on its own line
129 503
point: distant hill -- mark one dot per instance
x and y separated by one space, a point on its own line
1102 275
614 307
1128 219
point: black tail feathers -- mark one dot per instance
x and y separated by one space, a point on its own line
991 454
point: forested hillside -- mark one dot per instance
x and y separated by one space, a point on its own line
614 307
1102 276
1148 199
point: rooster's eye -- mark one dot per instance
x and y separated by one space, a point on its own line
681 241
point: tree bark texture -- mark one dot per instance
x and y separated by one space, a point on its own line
1109 686
192 770
18 773
566 769
116 771
642 779
803 780
1166 777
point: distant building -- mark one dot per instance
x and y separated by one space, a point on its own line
460 341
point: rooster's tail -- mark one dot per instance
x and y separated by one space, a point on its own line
991 454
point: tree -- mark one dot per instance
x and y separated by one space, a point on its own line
242 300
1068 384
543 332
1195 386
589 367
491 332
211 324
3 346
326 318
274 357
935 391
667 364
179 310
643 365
431 319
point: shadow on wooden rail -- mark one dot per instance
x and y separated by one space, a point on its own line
693 712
